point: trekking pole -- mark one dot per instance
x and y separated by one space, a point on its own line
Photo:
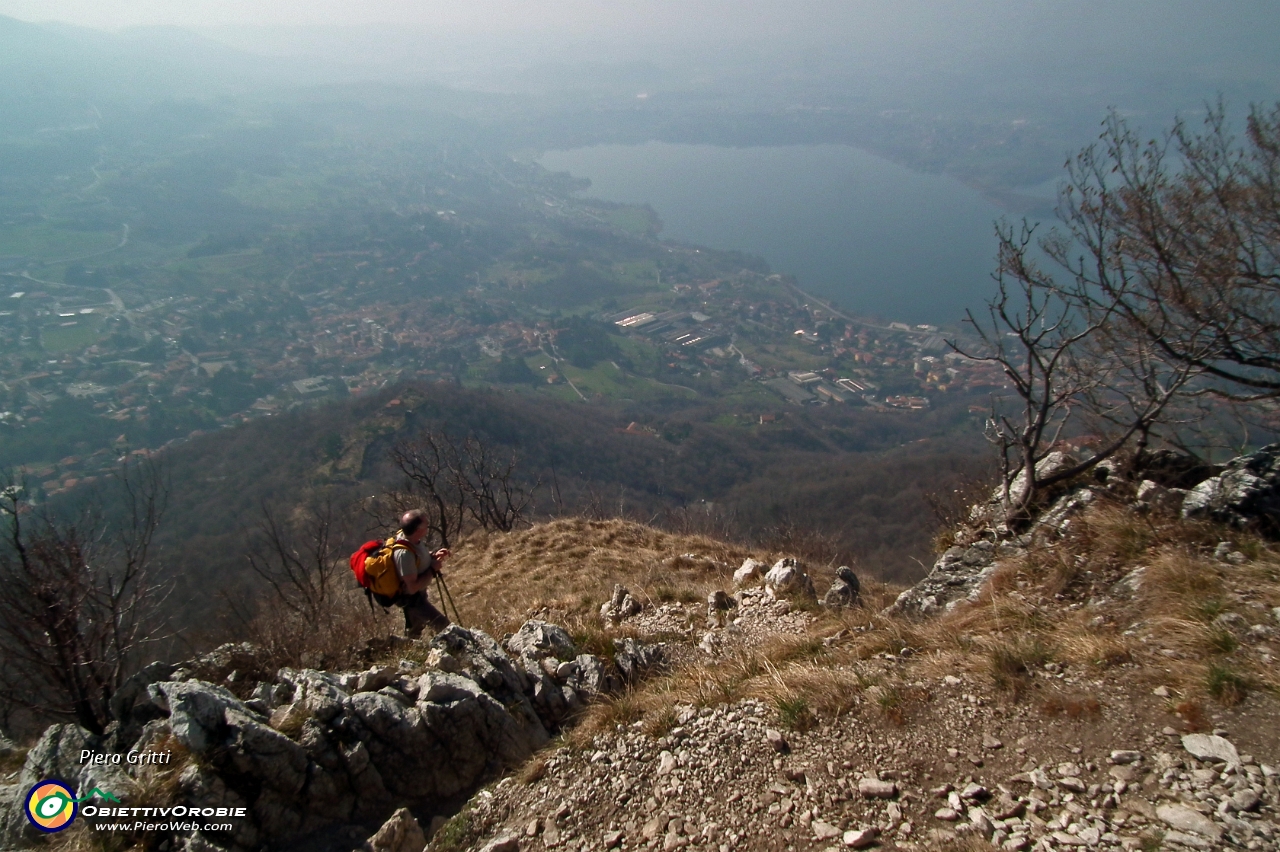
456 615
446 600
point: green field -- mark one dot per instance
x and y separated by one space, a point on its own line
44 241
605 379
55 338
784 355
613 383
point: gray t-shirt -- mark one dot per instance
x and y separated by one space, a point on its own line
409 568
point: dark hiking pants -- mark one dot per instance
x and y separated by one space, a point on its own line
419 613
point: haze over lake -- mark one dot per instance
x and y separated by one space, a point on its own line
879 238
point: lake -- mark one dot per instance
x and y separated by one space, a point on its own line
877 237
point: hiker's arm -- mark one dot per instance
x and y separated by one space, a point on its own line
416 584
430 572
405 563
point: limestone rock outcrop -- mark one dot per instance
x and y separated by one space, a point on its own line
787 578
310 750
621 605
1245 494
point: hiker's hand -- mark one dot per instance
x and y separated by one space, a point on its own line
442 554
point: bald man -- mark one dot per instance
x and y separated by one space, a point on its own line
416 568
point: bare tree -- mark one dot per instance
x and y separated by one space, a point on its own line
462 483
1164 297
78 603
1071 363
300 557
1179 239
495 499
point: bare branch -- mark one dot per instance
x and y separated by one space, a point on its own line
77 602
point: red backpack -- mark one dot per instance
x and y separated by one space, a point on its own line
374 565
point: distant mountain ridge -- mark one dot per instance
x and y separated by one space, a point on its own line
49 64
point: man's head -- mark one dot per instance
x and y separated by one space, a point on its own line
414 525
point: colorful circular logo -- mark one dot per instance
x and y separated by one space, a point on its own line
51 805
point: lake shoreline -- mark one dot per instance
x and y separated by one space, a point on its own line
847 223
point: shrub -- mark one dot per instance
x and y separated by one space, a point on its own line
454 835
1011 661
794 713
1227 687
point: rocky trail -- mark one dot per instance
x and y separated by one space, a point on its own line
1105 679
1103 768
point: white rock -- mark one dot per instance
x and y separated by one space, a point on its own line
666 763
1125 757
861 838
981 822
777 740
400 833
1210 746
1181 838
824 830
1064 839
1182 818
874 788
1072 783
1245 800
507 843
787 578
750 572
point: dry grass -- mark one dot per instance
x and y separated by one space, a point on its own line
823 690
1227 686
13 762
81 838
158 783
340 641
1019 622
533 770
568 568
1011 660
1038 609
1096 648
1191 601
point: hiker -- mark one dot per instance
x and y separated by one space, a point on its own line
416 568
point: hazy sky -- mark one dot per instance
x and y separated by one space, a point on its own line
446 14
944 34
918 16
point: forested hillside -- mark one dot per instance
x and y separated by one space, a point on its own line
842 484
